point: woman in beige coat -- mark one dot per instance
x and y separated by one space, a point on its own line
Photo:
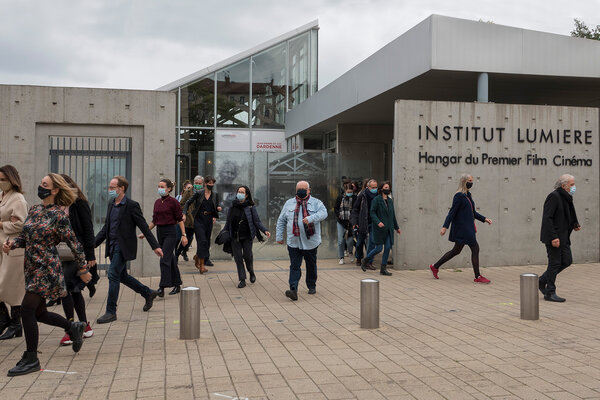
13 211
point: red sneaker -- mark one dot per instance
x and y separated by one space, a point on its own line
88 332
481 279
434 271
66 340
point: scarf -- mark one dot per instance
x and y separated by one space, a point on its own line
309 229
569 209
346 207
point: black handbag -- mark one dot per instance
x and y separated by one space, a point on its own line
223 237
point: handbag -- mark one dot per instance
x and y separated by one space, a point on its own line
64 252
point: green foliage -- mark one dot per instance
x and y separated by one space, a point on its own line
583 31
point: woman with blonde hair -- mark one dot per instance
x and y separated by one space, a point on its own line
13 211
45 227
462 216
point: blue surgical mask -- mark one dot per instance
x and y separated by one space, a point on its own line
572 190
112 194
240 196
349 194
162 192
374 191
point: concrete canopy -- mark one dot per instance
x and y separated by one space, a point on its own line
440 59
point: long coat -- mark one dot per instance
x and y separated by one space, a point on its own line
12 273
462 216
80 217
557 221
380 212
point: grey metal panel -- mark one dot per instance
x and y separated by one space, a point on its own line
399 61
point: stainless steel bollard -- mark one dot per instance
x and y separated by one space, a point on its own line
369 304
530 302
189 313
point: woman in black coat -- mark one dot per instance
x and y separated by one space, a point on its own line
462 216
80 217
244 225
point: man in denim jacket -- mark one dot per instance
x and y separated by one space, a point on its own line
302 215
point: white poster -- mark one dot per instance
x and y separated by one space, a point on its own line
268 141
232 140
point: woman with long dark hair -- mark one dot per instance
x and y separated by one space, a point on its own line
462 216
13 211
45 227
80 217
166 216
244 225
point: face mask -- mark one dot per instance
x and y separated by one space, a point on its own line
469 185
43 192
240 196
198 187
301 193
210 187
162 192
112 194
572 190
5 186
386 191
349 194
374 191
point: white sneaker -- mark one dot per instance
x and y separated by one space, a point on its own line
352 260
345 253
341 261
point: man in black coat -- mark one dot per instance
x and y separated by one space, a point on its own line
123 216
558 221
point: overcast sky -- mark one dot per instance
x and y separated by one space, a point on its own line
144 44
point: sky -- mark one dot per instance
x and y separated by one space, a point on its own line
145 44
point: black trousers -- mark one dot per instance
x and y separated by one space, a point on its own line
203 225
169 271
189 232
559 258
242 252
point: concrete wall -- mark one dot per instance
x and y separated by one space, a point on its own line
364 145
30 114
512 195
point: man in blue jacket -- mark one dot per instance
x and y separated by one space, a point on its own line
302 216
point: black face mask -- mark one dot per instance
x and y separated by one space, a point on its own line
469 185
210 187
386 191
43 192
301 193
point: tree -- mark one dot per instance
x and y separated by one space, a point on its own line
581 30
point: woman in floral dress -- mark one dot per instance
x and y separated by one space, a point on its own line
45 227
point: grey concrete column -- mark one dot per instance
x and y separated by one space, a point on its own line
482 88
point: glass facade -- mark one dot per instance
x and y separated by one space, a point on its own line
253 93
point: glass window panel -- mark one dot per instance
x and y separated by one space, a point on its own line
233 89
197 103
299 70
314 61
268 87
191 141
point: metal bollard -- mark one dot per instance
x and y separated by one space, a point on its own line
530 304
189 313
369 304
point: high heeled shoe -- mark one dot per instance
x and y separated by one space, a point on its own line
175 290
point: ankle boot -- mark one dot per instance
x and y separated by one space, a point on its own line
29 363
384 271
15 329
4 317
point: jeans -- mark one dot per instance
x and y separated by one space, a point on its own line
117 274
344 242
361 239
310 258
377 249
559 258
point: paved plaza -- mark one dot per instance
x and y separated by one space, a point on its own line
444 339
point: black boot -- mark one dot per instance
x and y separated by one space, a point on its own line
160 292
384 271
27 364
175 290
15 329
4 317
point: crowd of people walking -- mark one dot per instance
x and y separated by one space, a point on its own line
49 250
